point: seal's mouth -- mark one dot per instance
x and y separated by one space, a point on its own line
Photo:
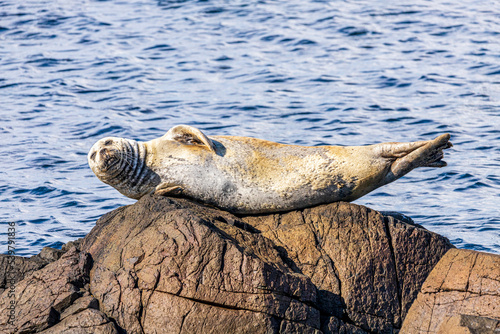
109 158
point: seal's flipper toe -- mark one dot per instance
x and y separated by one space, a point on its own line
427 155
435 151
437 164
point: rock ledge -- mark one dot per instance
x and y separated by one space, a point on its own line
170 265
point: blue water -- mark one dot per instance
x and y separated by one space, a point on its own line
297 72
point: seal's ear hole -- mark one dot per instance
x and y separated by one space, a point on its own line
188 139
92 156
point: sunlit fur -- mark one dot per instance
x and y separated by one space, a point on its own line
249 175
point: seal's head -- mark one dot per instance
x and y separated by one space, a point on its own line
120 163
106 158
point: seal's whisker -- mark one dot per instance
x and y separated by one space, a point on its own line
126 157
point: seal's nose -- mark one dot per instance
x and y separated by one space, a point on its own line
104 153
107 157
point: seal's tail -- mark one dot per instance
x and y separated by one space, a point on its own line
408 156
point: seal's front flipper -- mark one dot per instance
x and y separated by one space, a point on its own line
167 189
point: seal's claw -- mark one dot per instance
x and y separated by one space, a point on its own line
165 189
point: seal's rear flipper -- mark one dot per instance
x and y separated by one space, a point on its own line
441 144
420 154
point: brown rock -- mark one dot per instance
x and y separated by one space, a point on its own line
88 321
368 268
468 324
461 291
42 295
14 268
80 305
170 265
50 254
70 244
355 267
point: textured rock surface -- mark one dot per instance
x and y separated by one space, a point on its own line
87 321
182 267
14 268
42 295
468 324
463 290
333 268
173 266
368 268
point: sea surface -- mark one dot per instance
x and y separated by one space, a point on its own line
296 71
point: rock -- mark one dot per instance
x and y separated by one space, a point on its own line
43 294
368 268
334 268
468 324
70 244
401 217
461 295
55 300
171 266
80 305
50 254
88 321
166 265
14 268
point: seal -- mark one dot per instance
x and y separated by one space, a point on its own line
248 175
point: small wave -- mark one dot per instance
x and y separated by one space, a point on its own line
214 10
496 72
270 38
354 31
326 78
39 221
160 47
43 190
112 129
51 21
48 62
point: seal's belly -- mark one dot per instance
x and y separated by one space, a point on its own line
249 179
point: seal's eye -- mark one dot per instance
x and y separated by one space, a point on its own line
92 156
108 142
